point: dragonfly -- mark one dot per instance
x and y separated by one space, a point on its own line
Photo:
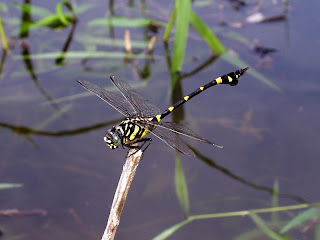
143 117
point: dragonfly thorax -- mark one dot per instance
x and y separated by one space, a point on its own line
113 138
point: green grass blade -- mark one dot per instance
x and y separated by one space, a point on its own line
10 185
239 64
52 21
3 7
114 42
83 8
3 36
169 26
169 231
261 210
275 203
181 186
54 117
304 216
89 54
181 34
317 232
59 11
32 9
208 36
267 230
252 234
124 22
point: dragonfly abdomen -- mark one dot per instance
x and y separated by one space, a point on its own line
230 79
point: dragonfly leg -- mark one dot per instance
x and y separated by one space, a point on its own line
144 141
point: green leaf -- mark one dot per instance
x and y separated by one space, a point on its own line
3 37
275 203
89 54
54 116
114 42
59 11
304 216
3 7
317 231
124 22
169 26
10 185
181 34
267 230
207 35
32 9
83 8
181 186
238 38
169 231
52 21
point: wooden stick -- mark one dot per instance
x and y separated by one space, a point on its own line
127 41
120 196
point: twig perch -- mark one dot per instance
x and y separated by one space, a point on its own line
120 196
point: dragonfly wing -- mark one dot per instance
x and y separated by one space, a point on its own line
116 101
183 130
172 139
141 105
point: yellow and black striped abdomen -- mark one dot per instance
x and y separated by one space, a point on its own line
230 79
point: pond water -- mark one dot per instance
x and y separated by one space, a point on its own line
51 129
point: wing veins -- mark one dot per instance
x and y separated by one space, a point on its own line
114 100
183 130
141 105
172 140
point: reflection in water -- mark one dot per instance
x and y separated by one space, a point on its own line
23 130
59 60
29 66
228 173
3 58
27 132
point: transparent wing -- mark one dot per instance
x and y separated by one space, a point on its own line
172 140
116 101
141 105
183 130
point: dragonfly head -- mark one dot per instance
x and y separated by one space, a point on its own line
112 138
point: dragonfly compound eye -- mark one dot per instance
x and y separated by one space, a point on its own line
112 139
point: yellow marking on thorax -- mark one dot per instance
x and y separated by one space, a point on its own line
201 88
158 117
171 108
127 133
134 133
237 76
230 79
219 80
128 127
186 98
145 132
